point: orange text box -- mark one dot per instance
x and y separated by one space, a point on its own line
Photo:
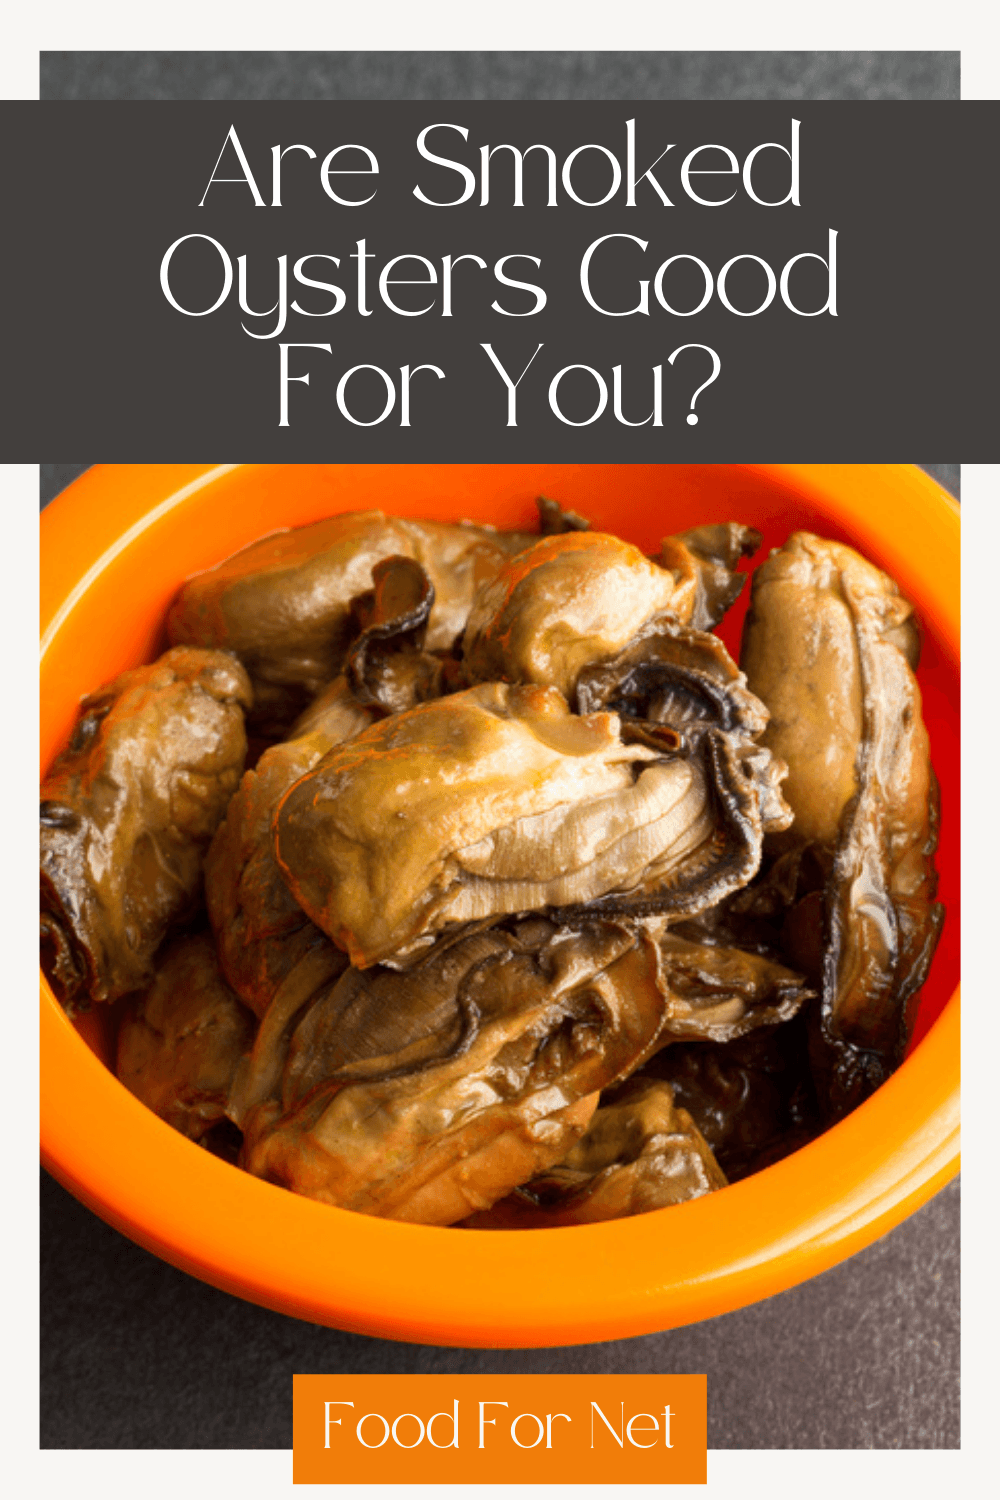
499 1429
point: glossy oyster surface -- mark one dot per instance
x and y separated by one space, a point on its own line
429 1095
711 555
553 519
386 666
801 653
639 1153
261 930
579 597
334 716
672 679
673 674
127 813
566 601
283 604
718 993
829 643
517 927
751 1097
181 1041
499 800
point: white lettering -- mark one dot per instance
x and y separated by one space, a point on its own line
553 1417
285 378
446 267
830 305
658 286
602 396
616 176
454 1428
643 303
647 176
385 281
395 1437
378 1416
511 387
619 1440
490 1421
247 179
541 1429
227 276
487 152
656 415
687 171
792 196
721 287
361 254
404 404
443 161
326 172
339 300
276 156
390 396
521 286
637 1418
280 307
333 1421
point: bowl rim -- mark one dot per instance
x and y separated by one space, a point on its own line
793 1220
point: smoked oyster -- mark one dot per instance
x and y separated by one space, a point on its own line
580 597
127 812
639 1153
712 555
261 930
499 800
179 1043
386 666
430 1094
717 993
565 601
829 644
752 1097
524 928
283 603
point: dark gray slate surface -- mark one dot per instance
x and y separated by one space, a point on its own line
500 75
138 1355
55 477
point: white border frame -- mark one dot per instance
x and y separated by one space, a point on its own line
537 25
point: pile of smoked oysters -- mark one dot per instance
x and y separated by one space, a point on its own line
533 908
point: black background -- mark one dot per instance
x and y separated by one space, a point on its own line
901 183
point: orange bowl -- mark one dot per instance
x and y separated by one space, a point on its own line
115 547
